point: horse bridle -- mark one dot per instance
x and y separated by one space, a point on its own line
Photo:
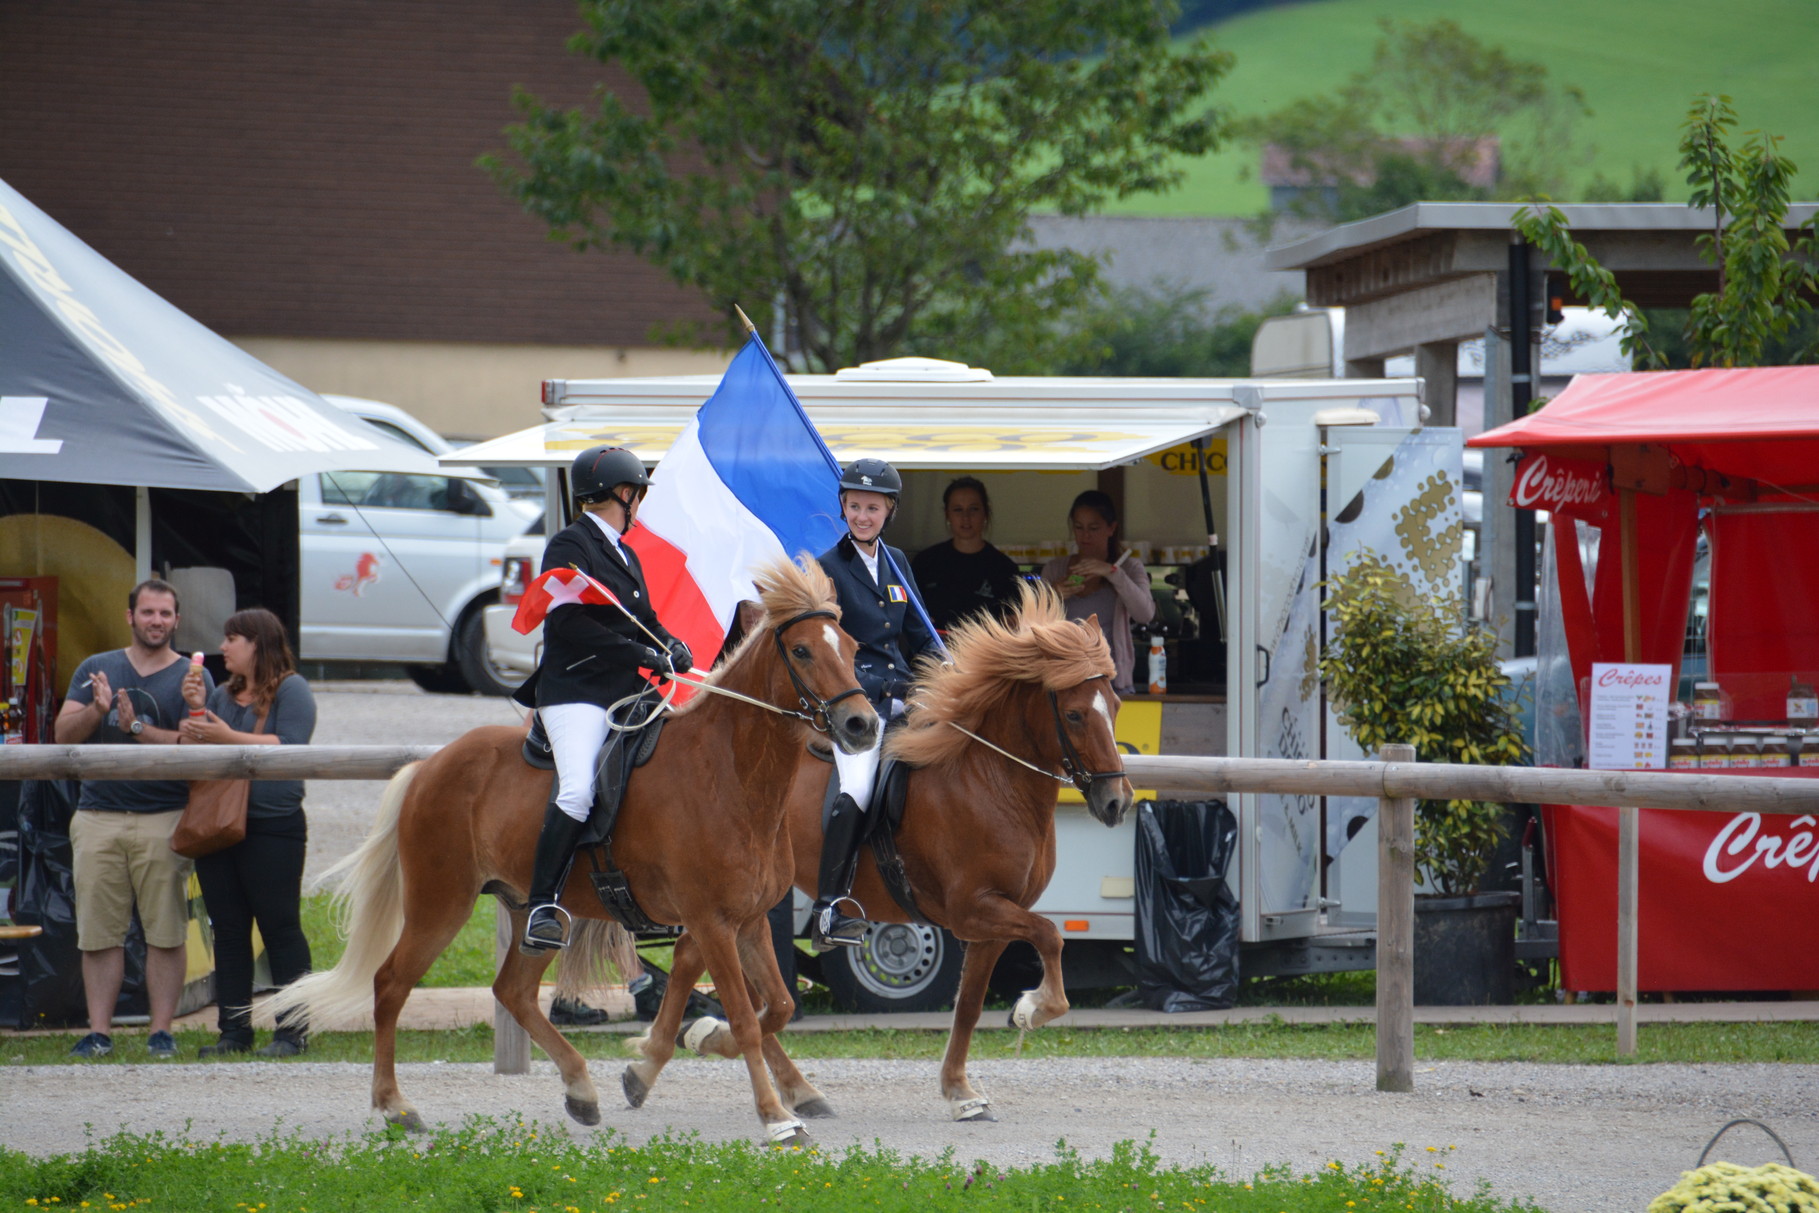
1074 767
814 708
1082 776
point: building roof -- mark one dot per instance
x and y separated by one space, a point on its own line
1422 218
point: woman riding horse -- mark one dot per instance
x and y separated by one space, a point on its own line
877 597
591 660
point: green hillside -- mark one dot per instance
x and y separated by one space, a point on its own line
1639 63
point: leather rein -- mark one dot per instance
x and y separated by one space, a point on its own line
1075 769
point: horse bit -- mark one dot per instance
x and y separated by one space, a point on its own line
1073 766
814 708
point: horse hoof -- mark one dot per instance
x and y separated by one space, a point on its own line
971 1110
788 1134
636 1089
815 1109
585 1111
408 1121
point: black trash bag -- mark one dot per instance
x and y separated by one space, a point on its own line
48 989
1187 918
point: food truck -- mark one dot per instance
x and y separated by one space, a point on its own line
1237 495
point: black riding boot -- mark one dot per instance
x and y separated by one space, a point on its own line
546 929
828 927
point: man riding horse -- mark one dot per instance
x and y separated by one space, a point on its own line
592 656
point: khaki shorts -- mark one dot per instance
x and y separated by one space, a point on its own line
122 859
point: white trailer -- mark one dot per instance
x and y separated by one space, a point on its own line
1292 475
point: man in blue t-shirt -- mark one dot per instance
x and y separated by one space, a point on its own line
120 835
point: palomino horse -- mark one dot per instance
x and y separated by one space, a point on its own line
700 838
1021 709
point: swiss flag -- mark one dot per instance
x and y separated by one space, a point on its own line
559 587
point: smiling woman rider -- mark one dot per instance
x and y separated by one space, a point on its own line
877 596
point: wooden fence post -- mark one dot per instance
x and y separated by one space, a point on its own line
1629 874
511 1043
1396 934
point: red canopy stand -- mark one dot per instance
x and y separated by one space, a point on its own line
1728 901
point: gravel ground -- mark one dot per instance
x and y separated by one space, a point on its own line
1575 1139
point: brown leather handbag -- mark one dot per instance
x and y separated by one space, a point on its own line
215 817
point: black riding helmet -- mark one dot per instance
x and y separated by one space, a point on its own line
871 476
597 470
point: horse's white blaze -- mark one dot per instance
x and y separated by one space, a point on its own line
1099 706
832 635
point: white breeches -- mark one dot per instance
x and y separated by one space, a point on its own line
576 733
858 772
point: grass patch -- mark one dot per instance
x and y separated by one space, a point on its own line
468 961
1639 65
495 1164
1568 1044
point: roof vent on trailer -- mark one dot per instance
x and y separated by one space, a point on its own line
913 370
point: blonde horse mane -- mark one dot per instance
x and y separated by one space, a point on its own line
787 588
991 661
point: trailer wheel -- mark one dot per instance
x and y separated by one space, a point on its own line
899 967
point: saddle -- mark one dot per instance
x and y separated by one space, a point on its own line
883 818
623 752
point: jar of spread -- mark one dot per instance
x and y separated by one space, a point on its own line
1708 701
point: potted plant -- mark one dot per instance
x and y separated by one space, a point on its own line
1406 667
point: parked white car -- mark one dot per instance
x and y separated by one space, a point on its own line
512 654
397 565
394 422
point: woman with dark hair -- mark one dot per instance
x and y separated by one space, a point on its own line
1103 579
259 879
966 574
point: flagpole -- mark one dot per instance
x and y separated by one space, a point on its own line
915 598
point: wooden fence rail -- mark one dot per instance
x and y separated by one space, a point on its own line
1397 782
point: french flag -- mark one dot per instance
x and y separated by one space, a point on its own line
747 482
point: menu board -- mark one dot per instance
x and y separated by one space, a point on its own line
1629 716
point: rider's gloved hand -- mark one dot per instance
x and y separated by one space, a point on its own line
680 657
657 663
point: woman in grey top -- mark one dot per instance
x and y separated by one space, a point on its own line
260 878
1102 578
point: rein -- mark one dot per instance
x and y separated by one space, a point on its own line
814 708
1076 771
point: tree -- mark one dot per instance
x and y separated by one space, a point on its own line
1407 128
1765 281
1165 332
866 167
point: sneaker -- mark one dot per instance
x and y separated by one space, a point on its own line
573 1013
161 1045
226 1046
285 1046
95 1044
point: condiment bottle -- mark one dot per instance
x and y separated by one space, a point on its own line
1802 704
1158 665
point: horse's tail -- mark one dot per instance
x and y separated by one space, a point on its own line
369 916
599 951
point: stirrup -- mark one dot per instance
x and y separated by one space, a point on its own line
832 929
532 944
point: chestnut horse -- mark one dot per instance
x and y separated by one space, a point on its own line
1022 709
700 837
